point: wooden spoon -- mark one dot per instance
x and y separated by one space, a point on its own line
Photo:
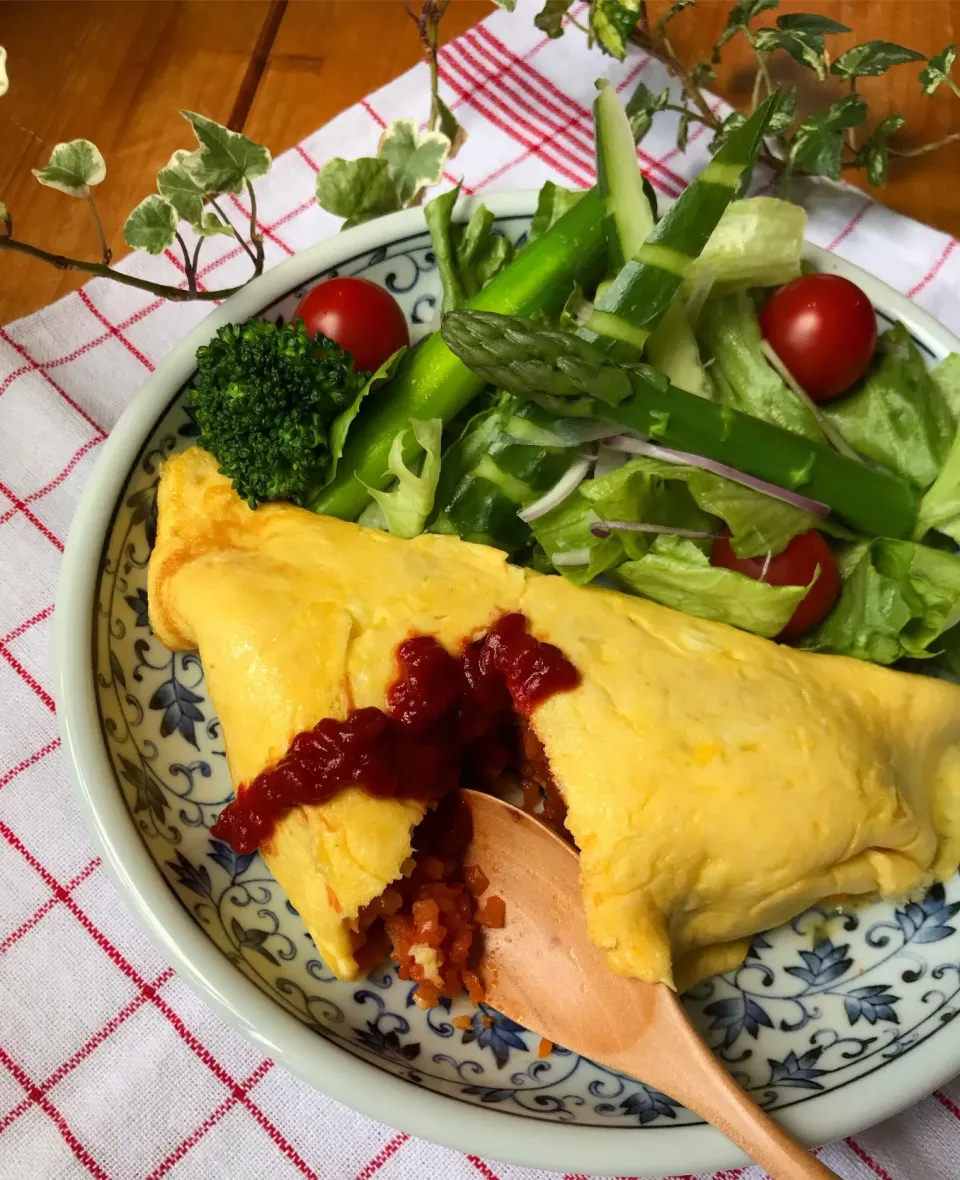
543 971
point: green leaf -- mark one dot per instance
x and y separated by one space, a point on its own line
733 122
817 145
874 153
448 125
4 80
872 58
229 160
758 242
407 505
642 105
507 5
611 23
181 182
810 22
357 189
729 332
897 416
152 226
210 225
340 426
672 350
566 528
468 256
549 19
683 131
702 73
897 599
416 161
946 377
805 48
72 168
784 112
937 70
739 19
552 202
672 11
677 573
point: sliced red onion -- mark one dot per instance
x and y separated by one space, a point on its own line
634 446
571 557
565 486
608 460
603 528
832 435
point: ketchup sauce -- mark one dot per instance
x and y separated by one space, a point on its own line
449 722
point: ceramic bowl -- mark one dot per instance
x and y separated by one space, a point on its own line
833 1023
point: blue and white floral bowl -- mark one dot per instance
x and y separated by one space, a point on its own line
835 1021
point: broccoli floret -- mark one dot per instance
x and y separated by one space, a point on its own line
263 399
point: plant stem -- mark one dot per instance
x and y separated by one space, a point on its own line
101 270
663 50
236 233
187 267
255 235
762 72
196 255
851 131
910 153
105 251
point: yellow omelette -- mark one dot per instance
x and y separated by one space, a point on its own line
717 783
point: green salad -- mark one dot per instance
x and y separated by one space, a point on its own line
674 405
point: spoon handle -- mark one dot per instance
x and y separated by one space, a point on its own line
688 1072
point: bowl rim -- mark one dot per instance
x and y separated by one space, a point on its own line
238 1001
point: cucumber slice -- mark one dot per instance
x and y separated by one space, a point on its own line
628 217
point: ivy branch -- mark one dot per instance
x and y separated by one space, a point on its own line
188 188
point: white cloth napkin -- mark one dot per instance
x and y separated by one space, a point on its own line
109 1066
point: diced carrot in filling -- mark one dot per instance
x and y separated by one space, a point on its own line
493 913
475 880
546 1048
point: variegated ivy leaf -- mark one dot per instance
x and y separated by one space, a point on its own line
611 23
182 184
672 11
357 189
509 5
872 58
810 22
805 48
937 70
549 19
642 105
448 126
4 80
210 224
739 19
817 145
874 153
4 214
152 226
72 168
416 161
228 159
783 113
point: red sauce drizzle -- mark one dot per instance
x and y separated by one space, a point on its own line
449 722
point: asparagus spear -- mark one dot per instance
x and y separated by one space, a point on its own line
519 356
432 383
638 298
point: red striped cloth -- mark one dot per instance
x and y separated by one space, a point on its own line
109 1067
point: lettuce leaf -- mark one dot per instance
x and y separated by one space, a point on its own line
898 415
757 243
673 351
406 506
468 255
898 598
340 426
677 573
729 332
552 203
567 528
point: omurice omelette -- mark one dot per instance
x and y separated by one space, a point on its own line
715 783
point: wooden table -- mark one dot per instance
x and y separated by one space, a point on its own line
118 73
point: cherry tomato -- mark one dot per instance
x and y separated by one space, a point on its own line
363 318
824 330
795 566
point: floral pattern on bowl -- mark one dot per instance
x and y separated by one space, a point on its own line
818 1004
